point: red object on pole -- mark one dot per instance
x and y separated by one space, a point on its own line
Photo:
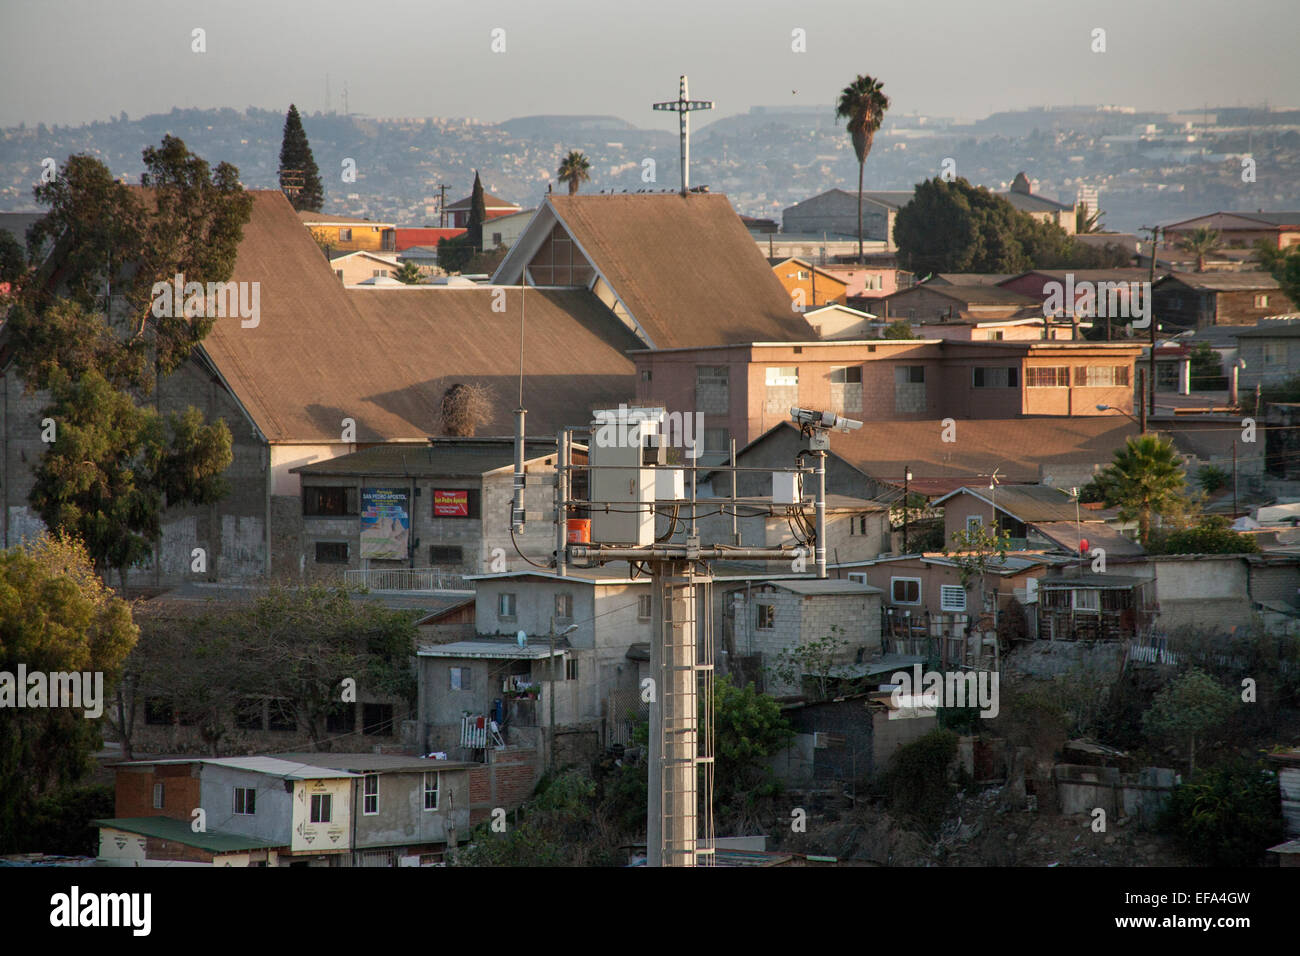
1083 545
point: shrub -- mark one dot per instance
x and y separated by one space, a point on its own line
1227 816
916 784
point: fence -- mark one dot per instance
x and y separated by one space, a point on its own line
407 579
624 709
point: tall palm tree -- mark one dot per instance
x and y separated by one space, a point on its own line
1145 479
863 103
1200 242
574 170
1086 221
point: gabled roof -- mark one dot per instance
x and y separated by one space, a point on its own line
384 357
272 766
180 831
968 278
489 202
1239 220
1027 503
1222 281
1066 534
1031 202
974 295
684 268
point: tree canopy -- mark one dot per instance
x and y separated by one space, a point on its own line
1144 480
299 176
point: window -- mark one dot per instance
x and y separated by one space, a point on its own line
322 807
766 617
1102 376
782 376
643 607
377 720
846 389
996 377
157 796
846 375
858 577
905 590
345 234
430 790
1261 302
439 554
1047 376
331 552
1086 600
951 598
496 239
378 272
646 375
995 336
1274 353
910 375
245 801
858 525
570 669
248 714
717 440
460 678
909 388
324 502
564 607
804 275
974 521
341 718
712 389
370 794
505 604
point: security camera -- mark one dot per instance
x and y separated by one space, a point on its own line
810 418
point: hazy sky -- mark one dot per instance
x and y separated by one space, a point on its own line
69 61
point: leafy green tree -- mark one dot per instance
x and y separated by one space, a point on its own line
748 728
298 168
409 273
477 216
1205 365
897 330
818 658
916 784
115 465
1213 535
1202 243
973 551
1228 816
56 615
1212 478
454 254
575 169
1190 707
1282 265
13 260
1144 480
863 104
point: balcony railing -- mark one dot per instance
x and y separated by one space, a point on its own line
408 579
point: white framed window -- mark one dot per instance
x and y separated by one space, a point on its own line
431 782
974 521
370 794
505 604
459 678
1087 599
564 607
782 376
952 598
858 577
245 801
322 808
766 617
345 234
1101 376
157 796
905 590
643 607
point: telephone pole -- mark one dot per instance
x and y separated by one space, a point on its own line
442 205
1151 358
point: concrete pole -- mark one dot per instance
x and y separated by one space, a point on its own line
821 513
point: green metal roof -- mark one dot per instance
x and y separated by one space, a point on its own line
179 831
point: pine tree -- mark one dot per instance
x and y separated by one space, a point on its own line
295 156
477 215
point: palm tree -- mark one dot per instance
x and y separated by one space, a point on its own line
1200 242
863 103
574 170
1086 221
1146 478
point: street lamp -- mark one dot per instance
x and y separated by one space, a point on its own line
1140 424
907 478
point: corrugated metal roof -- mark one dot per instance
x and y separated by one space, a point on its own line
377 763
272 766
180 831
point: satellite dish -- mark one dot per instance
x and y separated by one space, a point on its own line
521 639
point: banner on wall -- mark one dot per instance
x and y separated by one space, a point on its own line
385 523
451 504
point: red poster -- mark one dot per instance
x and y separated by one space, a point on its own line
451 504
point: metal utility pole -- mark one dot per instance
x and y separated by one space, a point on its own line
683 106
1151 358
907 479
1234 476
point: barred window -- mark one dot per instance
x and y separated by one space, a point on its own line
1102 376
1047 376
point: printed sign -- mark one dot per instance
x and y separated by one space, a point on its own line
451 504
385 523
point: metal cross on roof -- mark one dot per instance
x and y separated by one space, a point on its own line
684 106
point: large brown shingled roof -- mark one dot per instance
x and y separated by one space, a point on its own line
685 266
384 357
